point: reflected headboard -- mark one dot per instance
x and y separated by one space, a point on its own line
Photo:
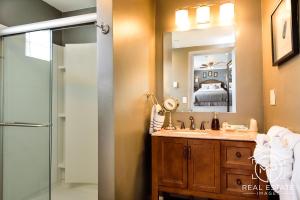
211 81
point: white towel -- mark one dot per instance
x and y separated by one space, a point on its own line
282 143
262 150
296 170
157 119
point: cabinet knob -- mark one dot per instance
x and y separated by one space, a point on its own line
239 181
238 154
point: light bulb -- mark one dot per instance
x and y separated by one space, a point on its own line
182 19
203 14
227 13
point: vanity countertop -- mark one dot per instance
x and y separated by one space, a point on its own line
208 134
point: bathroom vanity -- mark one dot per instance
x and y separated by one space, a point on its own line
209 164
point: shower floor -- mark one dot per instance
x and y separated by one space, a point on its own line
72 192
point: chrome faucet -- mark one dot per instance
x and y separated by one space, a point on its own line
192 126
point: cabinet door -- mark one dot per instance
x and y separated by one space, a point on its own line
204 165
172 162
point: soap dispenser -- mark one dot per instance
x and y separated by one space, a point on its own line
215 124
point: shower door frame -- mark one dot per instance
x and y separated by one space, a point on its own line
51 25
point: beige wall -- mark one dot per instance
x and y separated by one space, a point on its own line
248 58
134 72
283 79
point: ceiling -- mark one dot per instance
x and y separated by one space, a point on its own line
71 5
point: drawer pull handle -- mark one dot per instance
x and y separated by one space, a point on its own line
239 181
185 152
189 153
238 154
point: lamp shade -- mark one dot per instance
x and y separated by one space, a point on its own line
203 15
227 13
182 19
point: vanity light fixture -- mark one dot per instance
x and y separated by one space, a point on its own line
203 15
227 13
182 19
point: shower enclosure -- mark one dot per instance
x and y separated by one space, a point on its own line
26 108
25 115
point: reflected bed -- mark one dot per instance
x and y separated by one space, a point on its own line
212 93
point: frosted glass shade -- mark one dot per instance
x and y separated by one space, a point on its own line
227 13
182 19
203 15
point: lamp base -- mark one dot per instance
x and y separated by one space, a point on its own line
170 127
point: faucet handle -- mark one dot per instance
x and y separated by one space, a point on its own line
192 126
202 127
182 125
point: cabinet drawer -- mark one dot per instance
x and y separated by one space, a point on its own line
237 155
239 182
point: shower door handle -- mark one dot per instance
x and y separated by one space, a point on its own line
23 124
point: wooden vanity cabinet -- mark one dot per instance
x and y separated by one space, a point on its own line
204 165
202 168
172 159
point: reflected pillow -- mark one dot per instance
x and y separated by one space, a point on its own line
212 86
205 86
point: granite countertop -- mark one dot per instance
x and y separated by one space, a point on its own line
209 134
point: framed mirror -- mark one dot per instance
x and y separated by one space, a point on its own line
200 69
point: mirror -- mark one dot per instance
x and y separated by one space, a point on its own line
199 69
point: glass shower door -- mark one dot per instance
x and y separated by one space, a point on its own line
25 123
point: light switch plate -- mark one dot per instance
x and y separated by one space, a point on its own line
184 100
272 97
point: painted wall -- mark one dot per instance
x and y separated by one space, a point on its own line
248 60
283 79
16 12
134 73
79 35
221 76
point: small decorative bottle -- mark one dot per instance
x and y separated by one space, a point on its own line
215 124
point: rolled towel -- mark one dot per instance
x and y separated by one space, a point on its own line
280 172
281 165
296 170
157 119
262 150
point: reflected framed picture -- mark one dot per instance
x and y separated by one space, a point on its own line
284 30
216 74
204 75
210 73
